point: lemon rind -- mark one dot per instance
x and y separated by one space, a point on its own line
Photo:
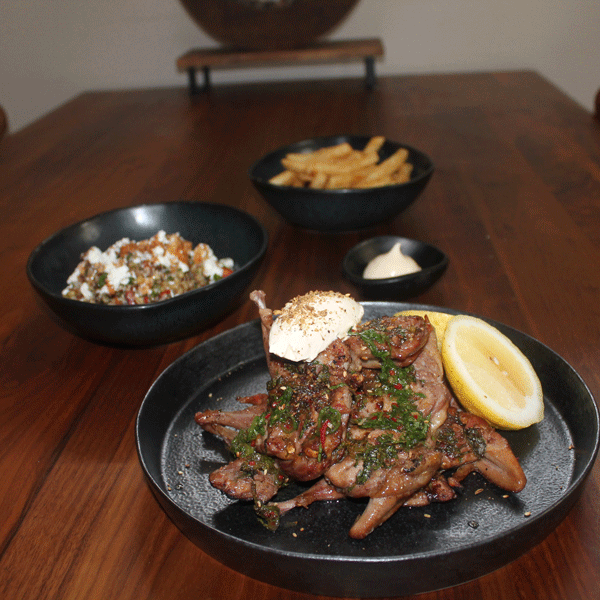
463 383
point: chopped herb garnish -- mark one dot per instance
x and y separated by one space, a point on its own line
380 454
268 515
279 409
476 441
329 420
403 417
102 279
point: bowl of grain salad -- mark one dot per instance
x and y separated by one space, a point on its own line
149 274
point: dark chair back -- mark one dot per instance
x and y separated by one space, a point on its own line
3 123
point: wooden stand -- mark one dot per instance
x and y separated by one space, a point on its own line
321 52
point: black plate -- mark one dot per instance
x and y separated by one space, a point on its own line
228 231
344 209
418 549
432 260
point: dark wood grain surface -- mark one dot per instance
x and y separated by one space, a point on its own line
514 202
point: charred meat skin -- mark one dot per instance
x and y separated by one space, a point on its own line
401 338
238 479
306 425
226 424
468 443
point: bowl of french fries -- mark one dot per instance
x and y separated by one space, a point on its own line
341 183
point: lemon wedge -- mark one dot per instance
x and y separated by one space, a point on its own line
439 320
489 375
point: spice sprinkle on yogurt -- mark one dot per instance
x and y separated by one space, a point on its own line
308 324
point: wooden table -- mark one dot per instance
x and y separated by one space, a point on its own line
514 202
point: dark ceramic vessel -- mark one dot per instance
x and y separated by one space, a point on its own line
432 260
228 231
252 25
345 209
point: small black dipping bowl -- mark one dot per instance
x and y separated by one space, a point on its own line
433 263
229 232
344 209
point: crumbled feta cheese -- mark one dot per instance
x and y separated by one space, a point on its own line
211 268
94 255
118 275
85 291
156 268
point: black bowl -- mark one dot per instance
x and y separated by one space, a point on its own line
432 260
228 231
339 210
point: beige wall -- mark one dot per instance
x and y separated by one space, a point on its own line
51 50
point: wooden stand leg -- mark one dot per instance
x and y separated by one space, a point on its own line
193 86
370 72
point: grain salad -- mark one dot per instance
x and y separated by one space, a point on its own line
130 272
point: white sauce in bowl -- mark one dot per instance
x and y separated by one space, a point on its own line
391 264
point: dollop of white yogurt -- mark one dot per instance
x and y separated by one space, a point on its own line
307 324
391 264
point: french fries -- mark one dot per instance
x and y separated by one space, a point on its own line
343 167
